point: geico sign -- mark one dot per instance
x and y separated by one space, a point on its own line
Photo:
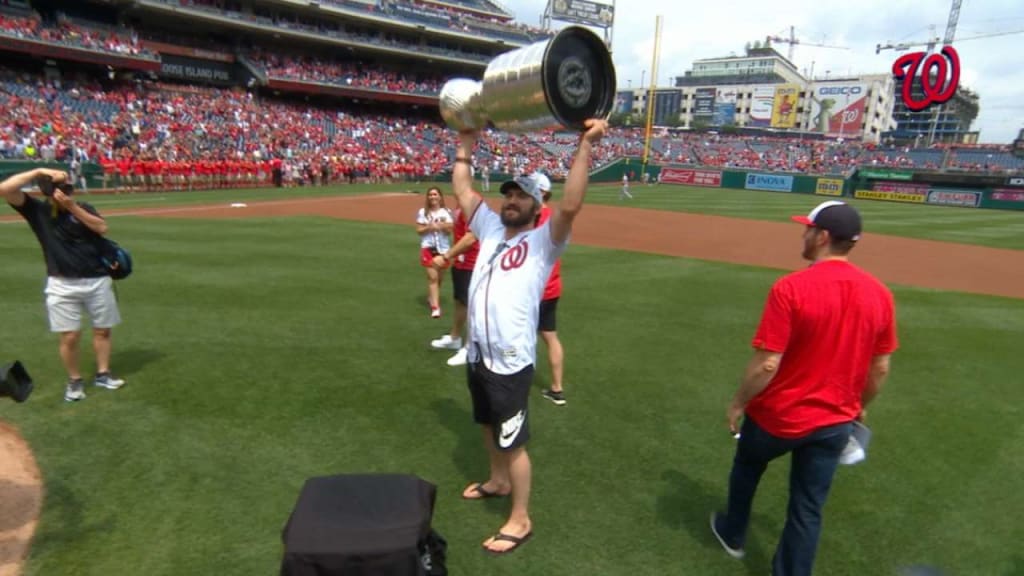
828 91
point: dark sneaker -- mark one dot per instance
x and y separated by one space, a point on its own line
557 397
734 552
107 381
74 391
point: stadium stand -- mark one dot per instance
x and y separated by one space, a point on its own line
272 111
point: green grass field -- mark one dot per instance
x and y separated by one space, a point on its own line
262 352
995 228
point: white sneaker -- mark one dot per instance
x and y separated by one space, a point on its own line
435 313
459 359
74 391
107 381
446 342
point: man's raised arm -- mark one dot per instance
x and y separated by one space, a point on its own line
10 188
576 182
462 177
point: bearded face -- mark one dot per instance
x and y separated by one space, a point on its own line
519 210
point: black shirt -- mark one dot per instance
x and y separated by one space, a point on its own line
70 248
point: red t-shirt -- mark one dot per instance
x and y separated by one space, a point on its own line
829 320
553 289
467 259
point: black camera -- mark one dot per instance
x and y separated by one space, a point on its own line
47 187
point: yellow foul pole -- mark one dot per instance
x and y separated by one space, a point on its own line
650 92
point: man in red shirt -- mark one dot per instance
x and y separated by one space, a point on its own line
462 257
821 355
547 325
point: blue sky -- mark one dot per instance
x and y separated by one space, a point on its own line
992 66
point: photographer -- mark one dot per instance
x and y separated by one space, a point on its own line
77 283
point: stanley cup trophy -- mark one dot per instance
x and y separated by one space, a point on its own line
559 82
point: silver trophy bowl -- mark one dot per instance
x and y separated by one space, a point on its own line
556 83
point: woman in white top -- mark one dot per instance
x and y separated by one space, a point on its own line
434 225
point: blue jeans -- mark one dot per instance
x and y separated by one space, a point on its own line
814 461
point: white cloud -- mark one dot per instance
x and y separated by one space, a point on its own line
691 31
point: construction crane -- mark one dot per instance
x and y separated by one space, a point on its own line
793 41
931 43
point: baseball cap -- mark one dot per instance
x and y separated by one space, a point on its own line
543 182
840 219
528 184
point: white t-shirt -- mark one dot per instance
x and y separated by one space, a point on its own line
436 239
505 292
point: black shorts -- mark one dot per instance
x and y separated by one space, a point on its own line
500 401
548 314
460 285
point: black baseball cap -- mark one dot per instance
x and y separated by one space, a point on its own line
840 219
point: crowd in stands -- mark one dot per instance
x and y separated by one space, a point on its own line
325 28
139 127
467 16
166 134
312 69
72 34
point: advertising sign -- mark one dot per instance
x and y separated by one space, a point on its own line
773 182
583 12
895 192
837 108
829 187
704 102
950 197
885 175
761 106
193 69
624 102
711 178
725 107
1008 195
784 106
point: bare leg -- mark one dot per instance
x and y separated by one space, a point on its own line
518 523
433 288
555 358
69 353
101 346
500 481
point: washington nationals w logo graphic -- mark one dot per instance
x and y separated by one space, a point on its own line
936 88
515 257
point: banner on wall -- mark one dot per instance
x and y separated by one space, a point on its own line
773 182
1007 195
895 192
704 102
761 106
837 108
829 187
949 197
784 106
711 178
725 107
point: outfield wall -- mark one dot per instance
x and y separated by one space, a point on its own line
915 187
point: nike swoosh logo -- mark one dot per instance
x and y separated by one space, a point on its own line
510 430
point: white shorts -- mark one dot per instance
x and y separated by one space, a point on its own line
67 299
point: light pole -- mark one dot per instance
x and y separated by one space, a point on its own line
643 75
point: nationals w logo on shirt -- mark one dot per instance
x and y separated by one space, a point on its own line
516 256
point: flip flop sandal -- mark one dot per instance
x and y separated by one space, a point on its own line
484 493
516 541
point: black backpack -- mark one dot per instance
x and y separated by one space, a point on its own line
116 259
